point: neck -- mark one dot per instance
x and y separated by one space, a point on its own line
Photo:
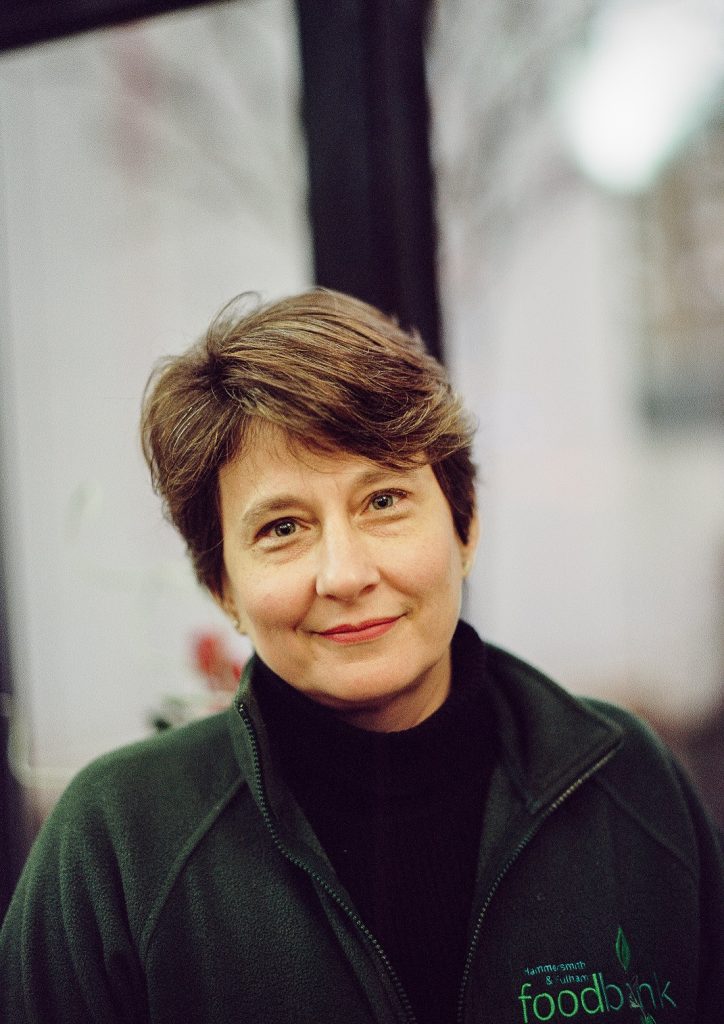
400 711
395 715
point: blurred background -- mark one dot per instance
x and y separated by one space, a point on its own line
537 186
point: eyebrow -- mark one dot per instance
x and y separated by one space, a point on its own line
268 507
285 502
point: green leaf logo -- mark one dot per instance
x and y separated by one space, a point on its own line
623 951
648 1019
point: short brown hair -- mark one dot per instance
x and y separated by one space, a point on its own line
333 372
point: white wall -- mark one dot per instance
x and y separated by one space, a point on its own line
602 543
149 173
603 538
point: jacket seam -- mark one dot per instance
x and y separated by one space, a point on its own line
646 826
187 849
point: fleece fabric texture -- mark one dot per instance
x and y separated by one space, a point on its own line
178 880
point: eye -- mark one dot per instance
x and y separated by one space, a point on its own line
385 499
280 529
283 528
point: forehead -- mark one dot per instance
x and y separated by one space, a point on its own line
272 465
268 449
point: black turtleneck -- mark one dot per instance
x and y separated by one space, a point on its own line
399 816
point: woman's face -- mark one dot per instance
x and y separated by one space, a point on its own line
346 576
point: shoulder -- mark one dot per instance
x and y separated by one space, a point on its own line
154 792
639 780
649 786
538 704
644 765
196 759
135 814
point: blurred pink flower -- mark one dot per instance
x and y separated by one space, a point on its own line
219 667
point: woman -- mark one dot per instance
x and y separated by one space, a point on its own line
394 821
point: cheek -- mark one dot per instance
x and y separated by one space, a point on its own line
436 563
272 603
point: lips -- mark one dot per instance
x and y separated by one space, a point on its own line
355 633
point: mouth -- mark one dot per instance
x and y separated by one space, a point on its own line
359 632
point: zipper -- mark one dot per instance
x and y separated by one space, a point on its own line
404 999
509 863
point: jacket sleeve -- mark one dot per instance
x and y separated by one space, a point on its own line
648 782
710 1006
66 952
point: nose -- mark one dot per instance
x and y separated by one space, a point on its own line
346 567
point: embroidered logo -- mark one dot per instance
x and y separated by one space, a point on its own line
589 993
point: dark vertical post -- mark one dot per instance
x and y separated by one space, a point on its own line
370 181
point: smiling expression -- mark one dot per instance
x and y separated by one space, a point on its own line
345 575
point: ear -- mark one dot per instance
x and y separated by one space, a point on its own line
468 550
225 601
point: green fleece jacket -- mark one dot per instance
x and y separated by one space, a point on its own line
177 882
